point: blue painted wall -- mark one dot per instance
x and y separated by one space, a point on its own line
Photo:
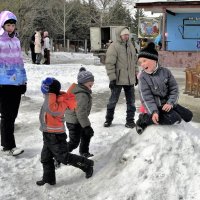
174 38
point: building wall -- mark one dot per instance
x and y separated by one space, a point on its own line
179 59
174 40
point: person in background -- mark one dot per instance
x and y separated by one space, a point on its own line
12 81
54 135
159 93
122 70
32 48
38 46
77 121
158 42
144 42
108 43
46 48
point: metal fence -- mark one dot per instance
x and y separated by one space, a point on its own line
59 45
70 45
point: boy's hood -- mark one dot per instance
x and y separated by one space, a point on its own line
81 89
78 88
4 16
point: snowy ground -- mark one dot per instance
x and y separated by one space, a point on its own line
161 164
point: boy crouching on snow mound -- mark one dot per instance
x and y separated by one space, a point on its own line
54 136
159 93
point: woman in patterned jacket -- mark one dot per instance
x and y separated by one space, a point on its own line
12 81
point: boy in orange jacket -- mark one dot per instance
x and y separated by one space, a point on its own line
54 136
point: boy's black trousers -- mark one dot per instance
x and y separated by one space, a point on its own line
175 115
56 146
77 135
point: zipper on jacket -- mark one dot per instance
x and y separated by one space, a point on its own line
126 45
118 75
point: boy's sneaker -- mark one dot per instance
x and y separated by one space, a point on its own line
87 155
130 124
141 123
139 129
89 169
107 124
89 172
42 182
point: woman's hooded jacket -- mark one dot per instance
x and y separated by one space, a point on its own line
12 70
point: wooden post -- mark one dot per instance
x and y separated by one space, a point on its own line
163 30
64 25
67 45
85 45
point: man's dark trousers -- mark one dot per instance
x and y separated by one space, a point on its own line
130 101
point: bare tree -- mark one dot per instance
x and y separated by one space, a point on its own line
26 11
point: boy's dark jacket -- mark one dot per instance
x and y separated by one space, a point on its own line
158 88
84 105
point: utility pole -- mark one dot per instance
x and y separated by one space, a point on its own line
64 24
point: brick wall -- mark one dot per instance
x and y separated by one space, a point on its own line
179 59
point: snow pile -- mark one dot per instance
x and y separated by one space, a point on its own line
161 164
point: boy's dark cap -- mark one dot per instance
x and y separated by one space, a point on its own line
149 52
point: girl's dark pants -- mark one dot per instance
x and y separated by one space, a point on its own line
10 97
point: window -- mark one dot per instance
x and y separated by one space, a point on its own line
191 28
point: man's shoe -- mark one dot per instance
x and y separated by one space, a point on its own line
130 124
86 155
42 182
107 124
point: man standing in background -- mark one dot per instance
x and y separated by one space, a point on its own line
121 69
